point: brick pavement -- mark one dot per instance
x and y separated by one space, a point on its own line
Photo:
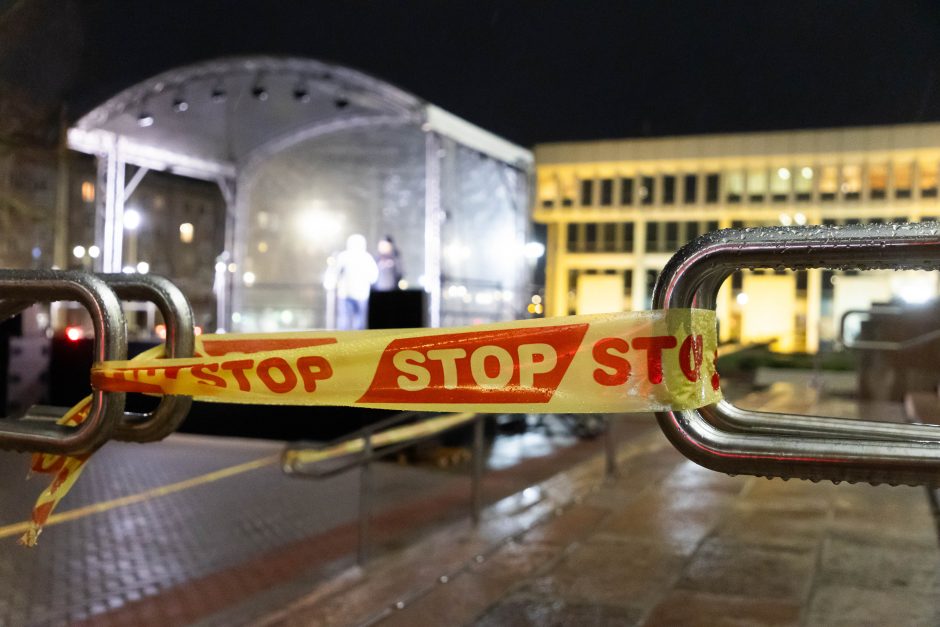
180 557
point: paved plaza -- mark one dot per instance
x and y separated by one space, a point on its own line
664 542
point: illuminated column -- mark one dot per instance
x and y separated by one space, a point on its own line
227 290
60 252
725 301
556 271
638 291
813 308
432 227
109 209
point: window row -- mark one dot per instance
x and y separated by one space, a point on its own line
667 237
827 183
619 237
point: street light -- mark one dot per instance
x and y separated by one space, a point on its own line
131 219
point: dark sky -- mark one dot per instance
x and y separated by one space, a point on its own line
538 70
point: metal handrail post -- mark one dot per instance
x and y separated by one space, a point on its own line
610 448
476 477
365 499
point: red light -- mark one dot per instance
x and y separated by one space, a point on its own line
197 330
74 334
160 330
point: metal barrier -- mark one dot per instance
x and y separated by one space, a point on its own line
728 439
180 342
882 345
36 433
364 459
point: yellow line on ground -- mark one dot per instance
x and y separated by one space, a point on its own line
96 508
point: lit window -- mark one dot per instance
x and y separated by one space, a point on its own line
186 232
757 185
903 179
803 183
735 186
88 191
568 185
877 181
928 180
548 191
780 184
828 182
851 182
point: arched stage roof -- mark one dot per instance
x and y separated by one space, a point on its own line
214 119
220 119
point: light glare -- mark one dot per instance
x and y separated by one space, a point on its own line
131 219
186 232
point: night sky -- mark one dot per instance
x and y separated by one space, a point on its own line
536 70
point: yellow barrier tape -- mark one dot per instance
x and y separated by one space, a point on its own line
638 361
607 363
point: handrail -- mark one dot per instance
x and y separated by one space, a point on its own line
291 466
692 277
883 345
367 455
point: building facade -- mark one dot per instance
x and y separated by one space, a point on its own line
615 212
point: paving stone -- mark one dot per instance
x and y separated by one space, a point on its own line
629 574
693 609
690 477
541 612
469 594
838 606
574 523
678 520
773 526
863 562
727 567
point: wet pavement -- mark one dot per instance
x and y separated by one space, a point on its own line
665 542
158 535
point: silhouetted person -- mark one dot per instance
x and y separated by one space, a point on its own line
355 272
389 265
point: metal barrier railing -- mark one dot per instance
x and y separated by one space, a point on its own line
19 289
882 345
726 438
37 431
365 453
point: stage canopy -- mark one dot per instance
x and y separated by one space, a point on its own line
307 153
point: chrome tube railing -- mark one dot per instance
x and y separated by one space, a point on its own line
882 345
725 438
19 288
180 342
